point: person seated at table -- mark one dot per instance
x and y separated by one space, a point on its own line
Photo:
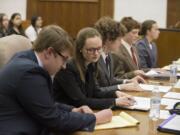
76 85
112 32
3 25
147 49
27 106
33 30
128 65
15 25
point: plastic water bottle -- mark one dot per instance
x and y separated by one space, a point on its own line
155 104
173 73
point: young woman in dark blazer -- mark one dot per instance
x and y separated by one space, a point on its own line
76 84
3 25
15 25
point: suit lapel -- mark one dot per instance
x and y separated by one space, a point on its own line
128 58
150 52
103 67
111 65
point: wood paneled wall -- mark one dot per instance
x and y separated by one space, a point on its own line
173 12
70 15
168 45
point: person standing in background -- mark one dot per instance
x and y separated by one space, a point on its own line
146 48
4 22
33 30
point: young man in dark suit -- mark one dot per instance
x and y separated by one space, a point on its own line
112 33
26 102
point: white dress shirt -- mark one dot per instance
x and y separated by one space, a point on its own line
31 33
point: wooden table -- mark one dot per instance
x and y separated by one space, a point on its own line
146 126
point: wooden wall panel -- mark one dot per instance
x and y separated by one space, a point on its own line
168 45
70 15
173 12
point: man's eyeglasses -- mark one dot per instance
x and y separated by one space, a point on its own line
93 50
65 58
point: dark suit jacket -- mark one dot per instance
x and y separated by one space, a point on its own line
124 65
105 79
70 89
148 57
26 104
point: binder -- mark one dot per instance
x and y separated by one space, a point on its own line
170 125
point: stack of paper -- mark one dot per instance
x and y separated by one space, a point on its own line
158 75
122 120
168 67
142 103
148 87
164 114
177 85
174 95
169 103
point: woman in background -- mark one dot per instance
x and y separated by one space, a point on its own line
147 49
15 25
33 30
3 25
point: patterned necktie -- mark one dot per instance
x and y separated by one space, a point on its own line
133 56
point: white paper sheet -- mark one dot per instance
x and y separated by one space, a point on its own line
148 87
177 85
168 67
164 114
142 103
174 95
169 102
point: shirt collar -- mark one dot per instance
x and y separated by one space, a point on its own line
104 56
128 46
39 60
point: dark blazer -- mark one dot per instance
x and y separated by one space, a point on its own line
26 103
125 66
70 89
148 56
12 31
105 79
3 33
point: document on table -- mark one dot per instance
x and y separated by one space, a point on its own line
122 120
169 102
164 114
158 74
174 95
177 85
149 87
142 103
168 67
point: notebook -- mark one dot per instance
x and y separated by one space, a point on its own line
122 120
148 87
171 125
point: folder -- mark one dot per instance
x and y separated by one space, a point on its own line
171 125
122 120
